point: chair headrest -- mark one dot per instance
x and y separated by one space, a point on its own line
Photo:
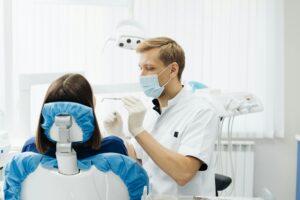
82 126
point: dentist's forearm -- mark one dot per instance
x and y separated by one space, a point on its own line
181 168
130 150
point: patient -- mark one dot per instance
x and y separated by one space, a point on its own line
74 88
71 95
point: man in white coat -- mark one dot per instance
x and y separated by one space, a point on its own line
176 142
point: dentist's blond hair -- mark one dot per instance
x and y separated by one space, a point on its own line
169 51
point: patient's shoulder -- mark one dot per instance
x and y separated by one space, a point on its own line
29 145
112 138
113 144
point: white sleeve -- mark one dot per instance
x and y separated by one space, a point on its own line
198 139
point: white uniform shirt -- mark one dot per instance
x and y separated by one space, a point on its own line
188 125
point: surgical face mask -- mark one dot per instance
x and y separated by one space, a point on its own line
150 85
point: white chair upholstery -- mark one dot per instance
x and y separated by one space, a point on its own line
92 184
108 176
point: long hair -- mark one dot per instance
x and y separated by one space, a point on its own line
72 88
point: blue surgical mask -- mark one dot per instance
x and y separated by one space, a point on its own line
150 85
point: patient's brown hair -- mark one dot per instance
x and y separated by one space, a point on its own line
72 88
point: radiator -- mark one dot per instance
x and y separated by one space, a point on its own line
243 165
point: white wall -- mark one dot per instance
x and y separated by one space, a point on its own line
1 59
275 166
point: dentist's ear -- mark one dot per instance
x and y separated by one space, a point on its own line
174 69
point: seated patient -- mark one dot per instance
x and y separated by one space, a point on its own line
73 88
71 95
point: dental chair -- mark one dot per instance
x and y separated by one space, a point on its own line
222 182
107 176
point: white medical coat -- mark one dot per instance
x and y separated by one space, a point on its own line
189 126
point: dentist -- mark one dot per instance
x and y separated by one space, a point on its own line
175 141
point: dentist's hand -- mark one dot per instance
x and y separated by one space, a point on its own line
113 124
136 114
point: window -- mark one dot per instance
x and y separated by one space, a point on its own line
233 45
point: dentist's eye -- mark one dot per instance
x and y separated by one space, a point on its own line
149 68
